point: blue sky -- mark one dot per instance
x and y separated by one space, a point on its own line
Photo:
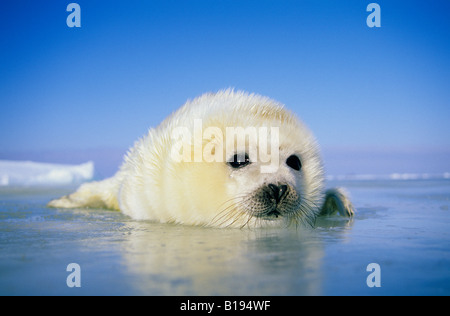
132 63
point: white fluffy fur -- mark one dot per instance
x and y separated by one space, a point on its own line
151 185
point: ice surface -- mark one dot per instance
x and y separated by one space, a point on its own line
391 176
401 225
29 173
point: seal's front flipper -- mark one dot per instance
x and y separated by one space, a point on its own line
336 200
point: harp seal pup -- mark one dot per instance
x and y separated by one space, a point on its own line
171 176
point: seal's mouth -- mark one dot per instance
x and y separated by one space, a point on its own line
268 204
274 214
269 215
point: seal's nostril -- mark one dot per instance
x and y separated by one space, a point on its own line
277 191
283 190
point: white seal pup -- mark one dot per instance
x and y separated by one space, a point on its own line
228 159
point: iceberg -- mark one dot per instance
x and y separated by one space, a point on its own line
29 173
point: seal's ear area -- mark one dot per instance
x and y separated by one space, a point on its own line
336 200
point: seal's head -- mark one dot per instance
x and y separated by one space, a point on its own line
255 164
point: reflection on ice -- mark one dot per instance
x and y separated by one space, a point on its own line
176 260
183 260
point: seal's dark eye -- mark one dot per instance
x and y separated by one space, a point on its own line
294 162
239 161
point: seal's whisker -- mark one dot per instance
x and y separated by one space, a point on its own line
230 212
250 216
232 200
233 216
309 217
225 215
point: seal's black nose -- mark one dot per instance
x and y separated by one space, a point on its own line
278 191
